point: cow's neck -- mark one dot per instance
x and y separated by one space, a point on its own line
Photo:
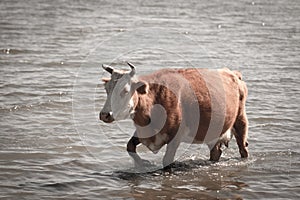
143 104
156 94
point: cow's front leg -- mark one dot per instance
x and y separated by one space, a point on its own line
170 153
131 149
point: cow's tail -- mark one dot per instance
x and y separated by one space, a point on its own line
242 86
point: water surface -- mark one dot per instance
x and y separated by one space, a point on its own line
52 145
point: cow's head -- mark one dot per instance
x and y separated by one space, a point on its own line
120 89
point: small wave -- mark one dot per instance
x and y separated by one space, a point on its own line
61 186
282 80
70 185
40 105
272 119
15 108
16 51
272 154
23 94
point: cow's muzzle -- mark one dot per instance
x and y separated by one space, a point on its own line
107 117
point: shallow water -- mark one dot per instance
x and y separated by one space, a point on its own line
52 145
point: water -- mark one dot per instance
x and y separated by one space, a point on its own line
52 145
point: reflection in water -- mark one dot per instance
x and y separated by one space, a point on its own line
193 179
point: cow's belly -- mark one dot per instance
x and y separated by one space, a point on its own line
217 94
224 138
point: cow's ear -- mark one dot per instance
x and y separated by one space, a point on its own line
141 87
105 80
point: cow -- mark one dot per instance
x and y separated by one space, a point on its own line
170 106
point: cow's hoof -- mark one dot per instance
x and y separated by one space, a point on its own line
214 158
167 168
244 153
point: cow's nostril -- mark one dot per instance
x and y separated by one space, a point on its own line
103 115
106 116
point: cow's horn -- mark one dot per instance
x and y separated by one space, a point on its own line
132 73
108 68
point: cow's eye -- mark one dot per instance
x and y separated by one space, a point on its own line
125 91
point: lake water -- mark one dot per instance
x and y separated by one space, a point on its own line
52 144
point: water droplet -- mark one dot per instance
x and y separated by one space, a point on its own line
186 32
263 24
61 62
253 3
219 26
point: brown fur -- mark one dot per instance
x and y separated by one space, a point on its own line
200 80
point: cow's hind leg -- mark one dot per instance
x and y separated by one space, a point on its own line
241 134
215 151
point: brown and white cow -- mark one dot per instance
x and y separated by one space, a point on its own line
170 106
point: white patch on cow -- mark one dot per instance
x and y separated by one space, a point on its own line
159 142
131 108
226 136
153 148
